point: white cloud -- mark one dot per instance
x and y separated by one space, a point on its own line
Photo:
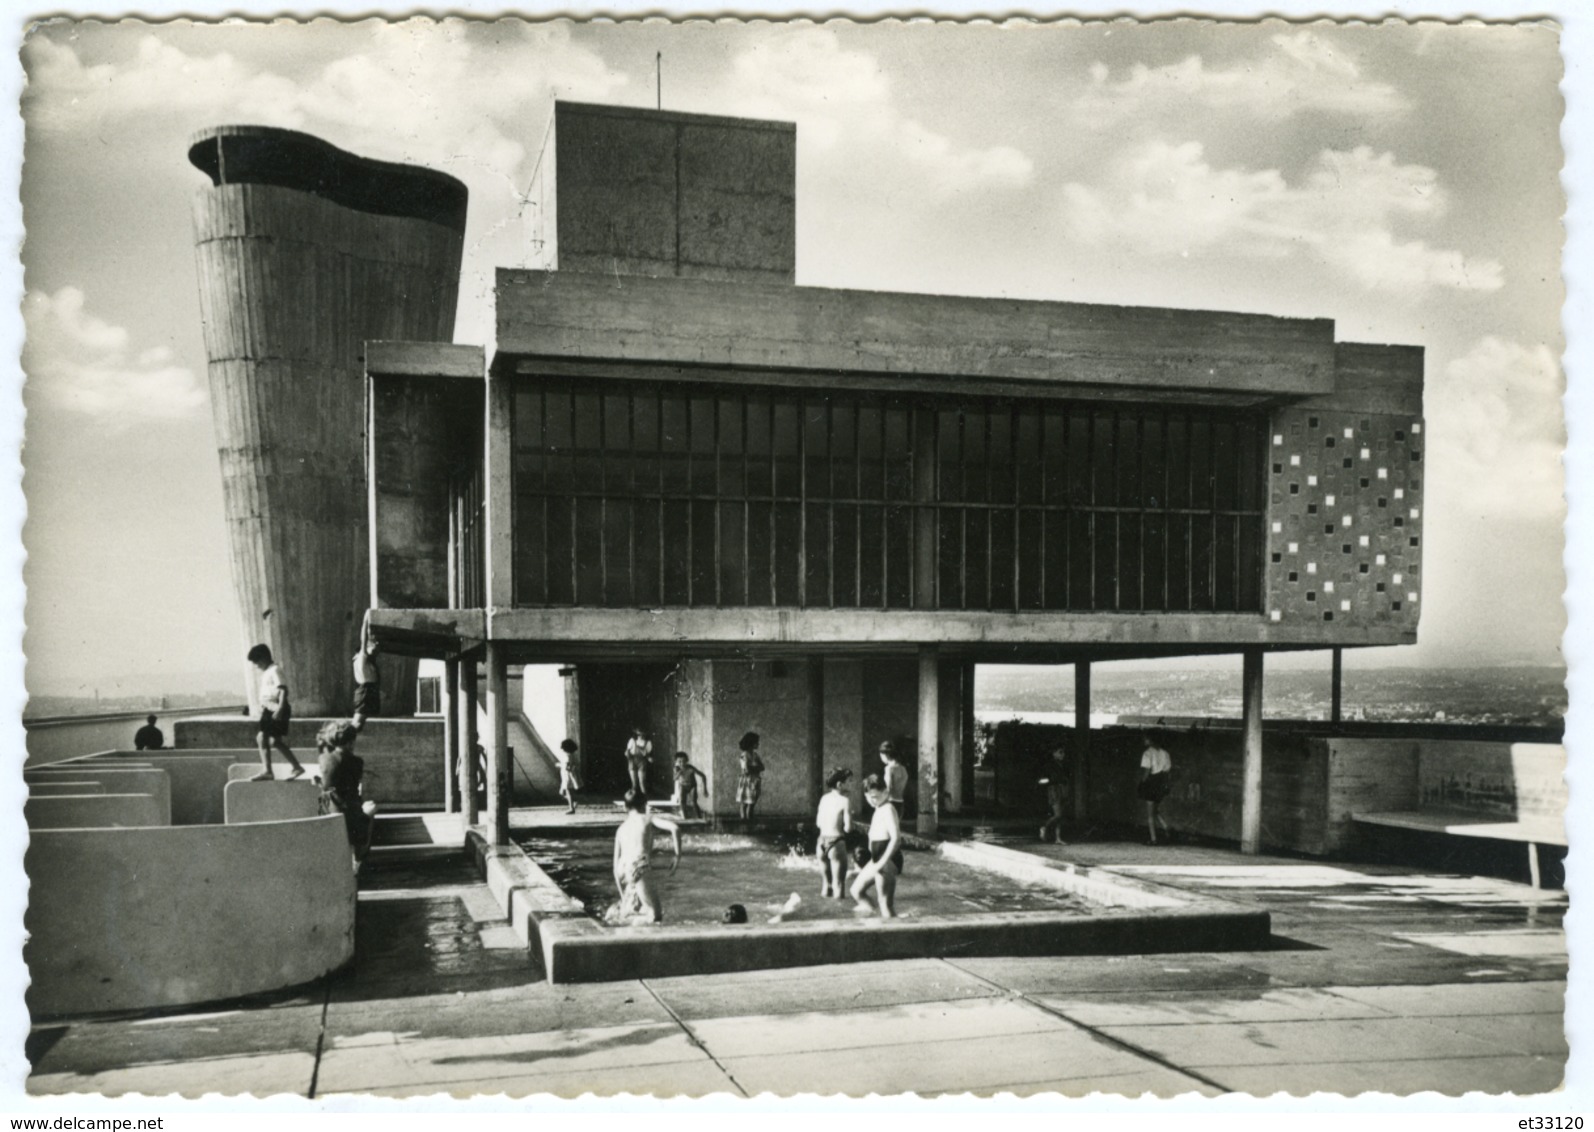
842 102
1301 72
446 92
1496 422
86 365
1163 199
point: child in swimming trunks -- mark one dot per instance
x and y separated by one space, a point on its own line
835 822
885 852
686 776
633 846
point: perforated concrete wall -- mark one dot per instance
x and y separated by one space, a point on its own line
1345 521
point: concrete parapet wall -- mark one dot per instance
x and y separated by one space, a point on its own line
92 811
113 779
57 789
184 915
270 801
403 757
1312 782
196 779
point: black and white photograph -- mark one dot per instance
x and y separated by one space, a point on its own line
743 557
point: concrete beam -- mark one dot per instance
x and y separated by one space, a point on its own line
425 359
747 627
766 325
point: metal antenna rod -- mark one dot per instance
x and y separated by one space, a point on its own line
658 77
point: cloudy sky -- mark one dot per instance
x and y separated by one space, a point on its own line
1400 179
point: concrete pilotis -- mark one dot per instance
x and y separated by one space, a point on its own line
497 815
951 735
1337 687
816 729
467 740
1081 752
1251 788
929 791
450 707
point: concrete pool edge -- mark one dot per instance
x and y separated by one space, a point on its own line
576 948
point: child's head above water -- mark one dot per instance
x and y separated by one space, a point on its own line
682 757
636 801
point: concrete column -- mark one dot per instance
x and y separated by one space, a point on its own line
497 486
468 802
572 682
497 815
951 734
450 706
929 796
1081 752
966 732
816 729
1338 680
1251 789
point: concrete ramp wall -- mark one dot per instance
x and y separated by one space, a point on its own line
270 801
140 918
92 811
114 780
56 789
403 757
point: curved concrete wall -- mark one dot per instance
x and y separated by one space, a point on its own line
114 779
304 254
137 918
270 801
92 811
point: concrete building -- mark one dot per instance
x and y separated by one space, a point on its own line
727 502
304 253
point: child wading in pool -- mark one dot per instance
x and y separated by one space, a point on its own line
750 782
633 846
638 753
835 822
885 851
275 714
686 776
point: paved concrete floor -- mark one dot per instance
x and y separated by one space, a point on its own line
1380 981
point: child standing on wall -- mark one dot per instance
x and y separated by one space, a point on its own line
750 778
569 778
835 822
275 714
686 776
638 752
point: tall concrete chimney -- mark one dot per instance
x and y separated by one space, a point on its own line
305 252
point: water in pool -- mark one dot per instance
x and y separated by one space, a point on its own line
764 867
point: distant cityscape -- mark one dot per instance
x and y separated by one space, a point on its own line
1519 695
1515 695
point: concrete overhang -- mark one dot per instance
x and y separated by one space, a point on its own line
553 322
589 633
